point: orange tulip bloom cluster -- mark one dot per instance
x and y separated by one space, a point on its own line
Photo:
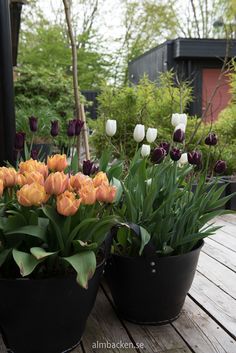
38 181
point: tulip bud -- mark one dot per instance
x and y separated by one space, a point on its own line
111 127
211 139
183 159
194 157
32 195
99 179
145 150
181 127
220 167
67 204
34 154
33 123
151 135
71 128
78 126
54 128
179 119
106 193
158 155
175 154
166 146
89 167
57 162
139 132
179 135
8 175
56 183
87 194
19 141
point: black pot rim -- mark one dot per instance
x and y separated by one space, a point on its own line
53 278
165 258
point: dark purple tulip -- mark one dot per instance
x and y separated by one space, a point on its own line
220 167
194 157
19 141
175 154
33 123
78 126
54 128
34 154
211 139
158 155
179 135
71 128
166 146
89 167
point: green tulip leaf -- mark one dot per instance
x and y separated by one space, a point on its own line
84 264
26 262
145 238
34 231
40 253
3 255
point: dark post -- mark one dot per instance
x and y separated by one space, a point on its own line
7 112
15 15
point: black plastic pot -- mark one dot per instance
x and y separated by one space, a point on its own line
151 290
230 189
45 315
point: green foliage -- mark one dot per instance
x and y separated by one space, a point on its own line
158 199
43 243
44 94
145 103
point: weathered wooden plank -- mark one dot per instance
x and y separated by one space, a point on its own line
157 339
2 346
220 253
218 303
219 274
230 218
103 326
225 239
201 332
228 227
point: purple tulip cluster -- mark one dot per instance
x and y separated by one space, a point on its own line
89 168
74 127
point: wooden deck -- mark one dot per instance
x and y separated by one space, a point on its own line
207 323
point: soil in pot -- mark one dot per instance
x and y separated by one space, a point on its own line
45 315
151 290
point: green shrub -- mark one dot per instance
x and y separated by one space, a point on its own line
145 103
45 95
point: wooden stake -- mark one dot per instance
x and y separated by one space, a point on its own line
85 132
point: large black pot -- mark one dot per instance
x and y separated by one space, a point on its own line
45 315
151 289
230 189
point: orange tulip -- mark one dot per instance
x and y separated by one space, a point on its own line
32 195
79 179
67 204
57 163
8 175
87 194
34 177
56 183
33 166
106 193
100 178
1 187
20 179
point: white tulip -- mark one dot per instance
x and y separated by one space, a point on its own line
181 127
145 150
183 159
151 135
177 119
139 132
148 181
111 127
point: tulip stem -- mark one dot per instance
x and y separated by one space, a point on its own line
31 144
